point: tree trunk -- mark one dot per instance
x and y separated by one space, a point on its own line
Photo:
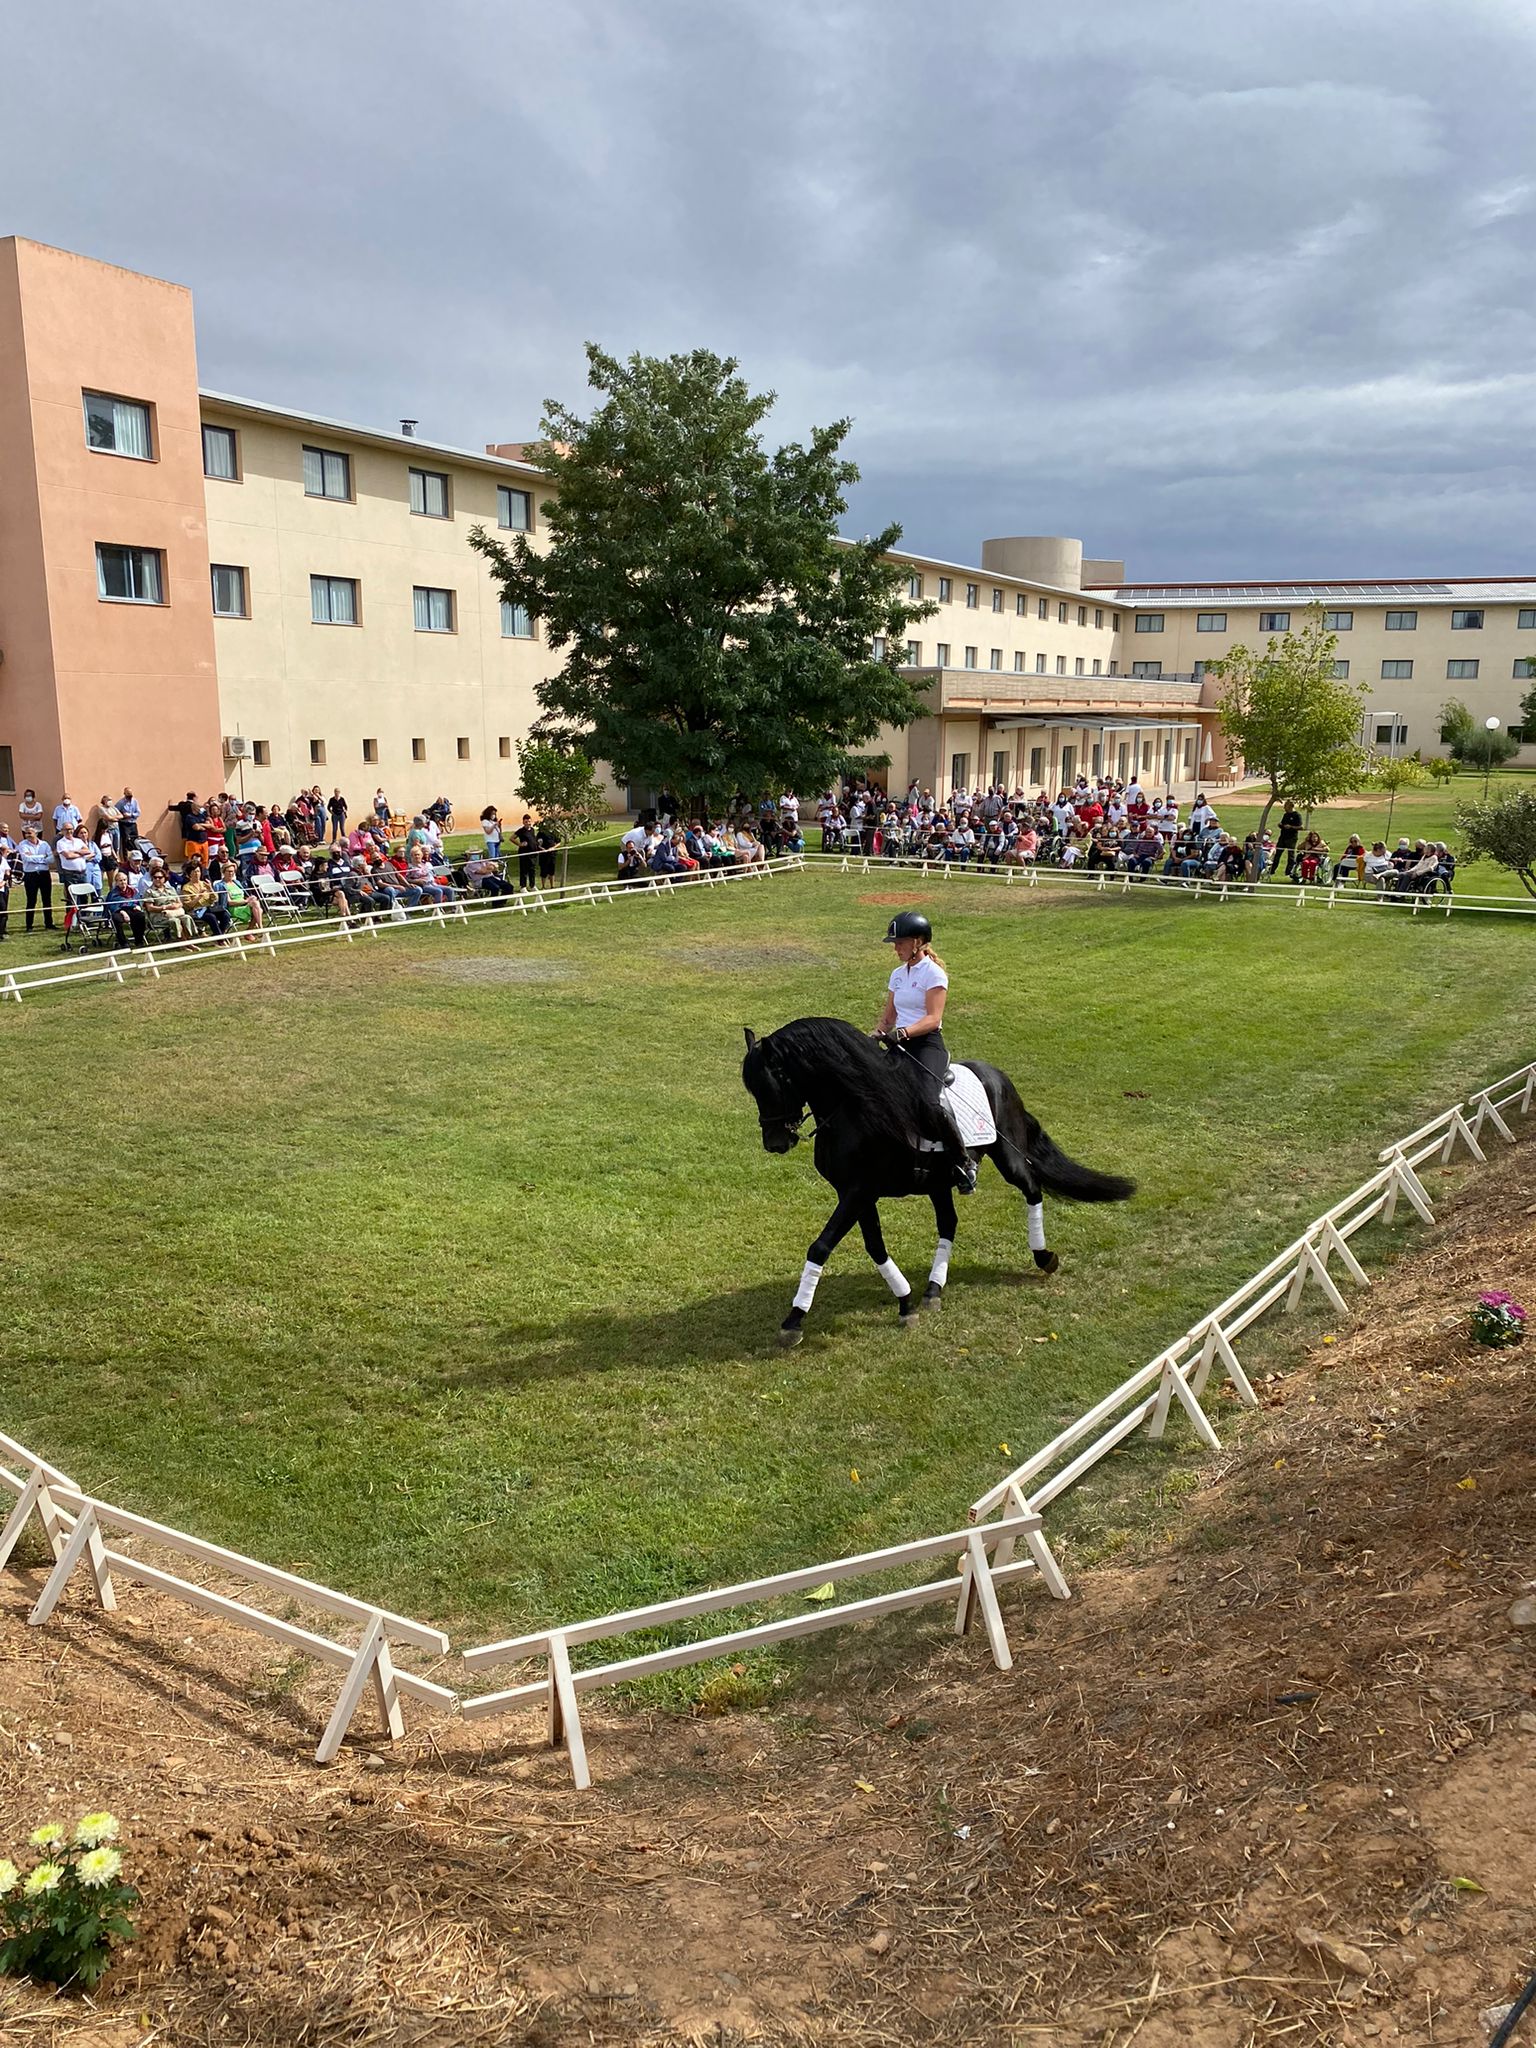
1254 870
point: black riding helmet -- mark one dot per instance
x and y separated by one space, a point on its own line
909 924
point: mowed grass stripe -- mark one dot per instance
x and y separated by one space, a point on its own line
460 1288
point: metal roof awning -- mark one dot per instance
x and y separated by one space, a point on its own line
1153 722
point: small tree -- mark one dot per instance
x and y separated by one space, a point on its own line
1440 770
1393 773
1291 718
1489 750
561 784
1503 830
1457 725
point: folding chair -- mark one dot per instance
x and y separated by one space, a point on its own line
90 921
274 898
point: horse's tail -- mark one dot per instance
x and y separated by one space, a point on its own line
1079 1183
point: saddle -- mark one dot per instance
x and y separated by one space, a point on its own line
964 1102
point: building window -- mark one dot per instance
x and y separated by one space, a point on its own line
7 771
418 750
515 622
1039 664
1396 671
117 426
941 654
1098 616
333 600
463 747
1115 622
1000 771
1020 605
261 753
229 592
1526 622
1402 622
1461 671
1466 622
1042 609
514 509
1339 622
1061 614
970 657
1114 666
433 609
370 750
504 747
317 753
1210 622
1061 664
914 654
1078 666
220 456
1018 664
972 596
1525 667
1146 668
997 657
1391 733
1098 666
130 575
1149 622
1037 765
1340 671
429 493
997 600
877 648
946 589
327 474
1082 615
914 586
959 771
1274 622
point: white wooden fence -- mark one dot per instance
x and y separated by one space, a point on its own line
1181 1371
131 963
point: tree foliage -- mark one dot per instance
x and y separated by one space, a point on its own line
1294 721
716 632
1469 740
1503 830
561 784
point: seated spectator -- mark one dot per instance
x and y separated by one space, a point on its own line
746 850
1312 857
202 903
482 876
1445 870
1141 850
422 875
162 907
1351 862
123 904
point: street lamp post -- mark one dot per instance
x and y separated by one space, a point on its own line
1492 726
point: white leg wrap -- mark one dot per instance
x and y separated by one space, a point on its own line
894 1278
805 1293
938 1273
1036 1212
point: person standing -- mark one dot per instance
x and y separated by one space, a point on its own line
490 825
66 814
71 850
1285 843
35 858
30 810
337 807
527 852
381 808
108 819
549 839
127 822
7 858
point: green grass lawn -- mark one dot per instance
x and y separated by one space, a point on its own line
446 1266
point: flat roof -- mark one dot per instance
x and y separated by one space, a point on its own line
251 408
1422 590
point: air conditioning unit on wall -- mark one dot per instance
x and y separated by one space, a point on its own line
236 747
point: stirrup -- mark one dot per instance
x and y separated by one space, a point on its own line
965 1177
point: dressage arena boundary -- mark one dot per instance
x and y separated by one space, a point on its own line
125 964
1200 889
1181 1371
75 1524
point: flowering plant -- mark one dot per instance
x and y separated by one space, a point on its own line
59 1918
1498 1319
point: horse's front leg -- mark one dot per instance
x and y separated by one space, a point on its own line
833 1231
947 1220
890 1272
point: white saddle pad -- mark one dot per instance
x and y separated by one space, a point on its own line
966 1101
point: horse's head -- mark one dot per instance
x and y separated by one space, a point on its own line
780 1102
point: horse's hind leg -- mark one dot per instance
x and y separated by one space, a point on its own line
890 1272
833 1231
1017 1171
947 1220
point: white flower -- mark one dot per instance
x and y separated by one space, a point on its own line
93 1828
9 1875
98 1867
45 1836
45 1878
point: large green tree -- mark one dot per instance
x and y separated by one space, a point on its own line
717 634
1503 830
1294 721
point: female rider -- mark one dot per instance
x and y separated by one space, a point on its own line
912 1021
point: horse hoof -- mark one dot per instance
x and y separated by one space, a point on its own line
909 1318
788 1339
933 1299
1047 1261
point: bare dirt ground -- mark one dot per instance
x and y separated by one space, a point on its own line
1273 1781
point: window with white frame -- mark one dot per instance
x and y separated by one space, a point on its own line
1461 671
1526 621
129 575
429 493
1274 622
221 457
333 600
228 592
514 509
516 624
1396 671
1210 622
117 426
1391 732
1339 622
327 473
1149 622
1401 622
1466 622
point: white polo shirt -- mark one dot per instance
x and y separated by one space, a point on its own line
909 988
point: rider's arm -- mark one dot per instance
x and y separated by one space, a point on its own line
887 1015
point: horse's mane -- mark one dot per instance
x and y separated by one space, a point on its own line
882 1091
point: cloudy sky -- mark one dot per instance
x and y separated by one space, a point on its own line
1223 288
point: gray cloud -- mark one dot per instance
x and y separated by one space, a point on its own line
1225 290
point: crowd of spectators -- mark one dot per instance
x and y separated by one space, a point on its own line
661 843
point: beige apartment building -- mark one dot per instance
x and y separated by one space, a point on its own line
202 591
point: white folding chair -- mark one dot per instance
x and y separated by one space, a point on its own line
274 898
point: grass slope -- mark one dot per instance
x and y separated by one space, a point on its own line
446 1267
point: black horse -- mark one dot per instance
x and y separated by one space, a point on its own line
877 1123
